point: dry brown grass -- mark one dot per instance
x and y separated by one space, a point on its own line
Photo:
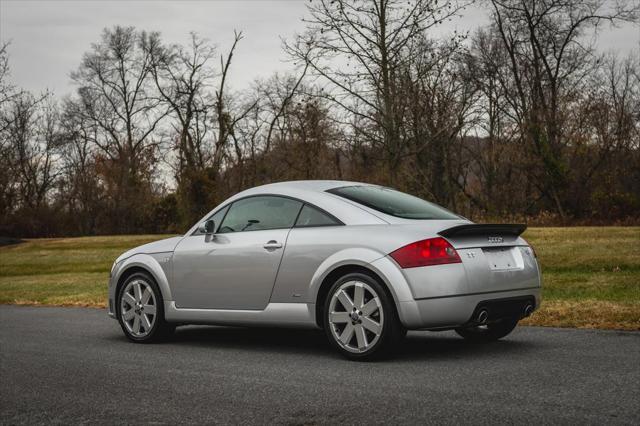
587 314
591 275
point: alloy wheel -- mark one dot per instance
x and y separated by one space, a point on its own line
356 317
138 308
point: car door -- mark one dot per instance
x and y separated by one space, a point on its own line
236 267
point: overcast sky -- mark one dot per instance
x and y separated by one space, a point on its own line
48 37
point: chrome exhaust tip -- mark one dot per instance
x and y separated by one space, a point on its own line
482 317
528 310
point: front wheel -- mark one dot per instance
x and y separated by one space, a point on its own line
141 310
488 332
360 319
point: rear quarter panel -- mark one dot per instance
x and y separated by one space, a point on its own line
312 253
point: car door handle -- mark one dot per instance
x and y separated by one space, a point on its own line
273 244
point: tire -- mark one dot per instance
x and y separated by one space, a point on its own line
140 309
490 332
369 318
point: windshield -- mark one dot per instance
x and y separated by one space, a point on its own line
394 203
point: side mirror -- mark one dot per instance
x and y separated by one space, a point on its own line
207 227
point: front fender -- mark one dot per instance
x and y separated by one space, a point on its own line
149 264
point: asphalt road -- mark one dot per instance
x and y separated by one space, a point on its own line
74 366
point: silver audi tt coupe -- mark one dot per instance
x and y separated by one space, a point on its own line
363 262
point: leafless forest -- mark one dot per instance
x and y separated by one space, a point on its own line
520 120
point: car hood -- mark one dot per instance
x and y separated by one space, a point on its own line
162 246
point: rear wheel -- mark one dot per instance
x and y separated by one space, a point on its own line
360 319
141 310
489 332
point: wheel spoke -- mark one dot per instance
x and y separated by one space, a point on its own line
361 337
129 300
146 295
371 306
358 296
347 334
339 317
136 325
371 325
149 309
145 322
137 291
345 300
128 315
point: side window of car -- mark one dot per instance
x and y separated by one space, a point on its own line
311 216
260 213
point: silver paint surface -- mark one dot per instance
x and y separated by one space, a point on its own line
233 279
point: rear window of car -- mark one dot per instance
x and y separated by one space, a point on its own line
394 203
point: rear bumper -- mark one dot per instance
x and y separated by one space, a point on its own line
455 311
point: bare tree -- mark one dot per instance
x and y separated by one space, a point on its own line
605 136
549 56
183 77
358 49
31 141
7 189
224 119
7 90
440 99
118 97
495 183
83 193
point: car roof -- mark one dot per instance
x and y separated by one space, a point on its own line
315 193
302 185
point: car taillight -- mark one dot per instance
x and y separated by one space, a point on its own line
434 251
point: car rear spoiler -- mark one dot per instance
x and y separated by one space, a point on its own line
512 230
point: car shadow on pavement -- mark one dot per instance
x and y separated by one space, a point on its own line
253 339
416 346
435 346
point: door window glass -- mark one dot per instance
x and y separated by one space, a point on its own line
259 213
